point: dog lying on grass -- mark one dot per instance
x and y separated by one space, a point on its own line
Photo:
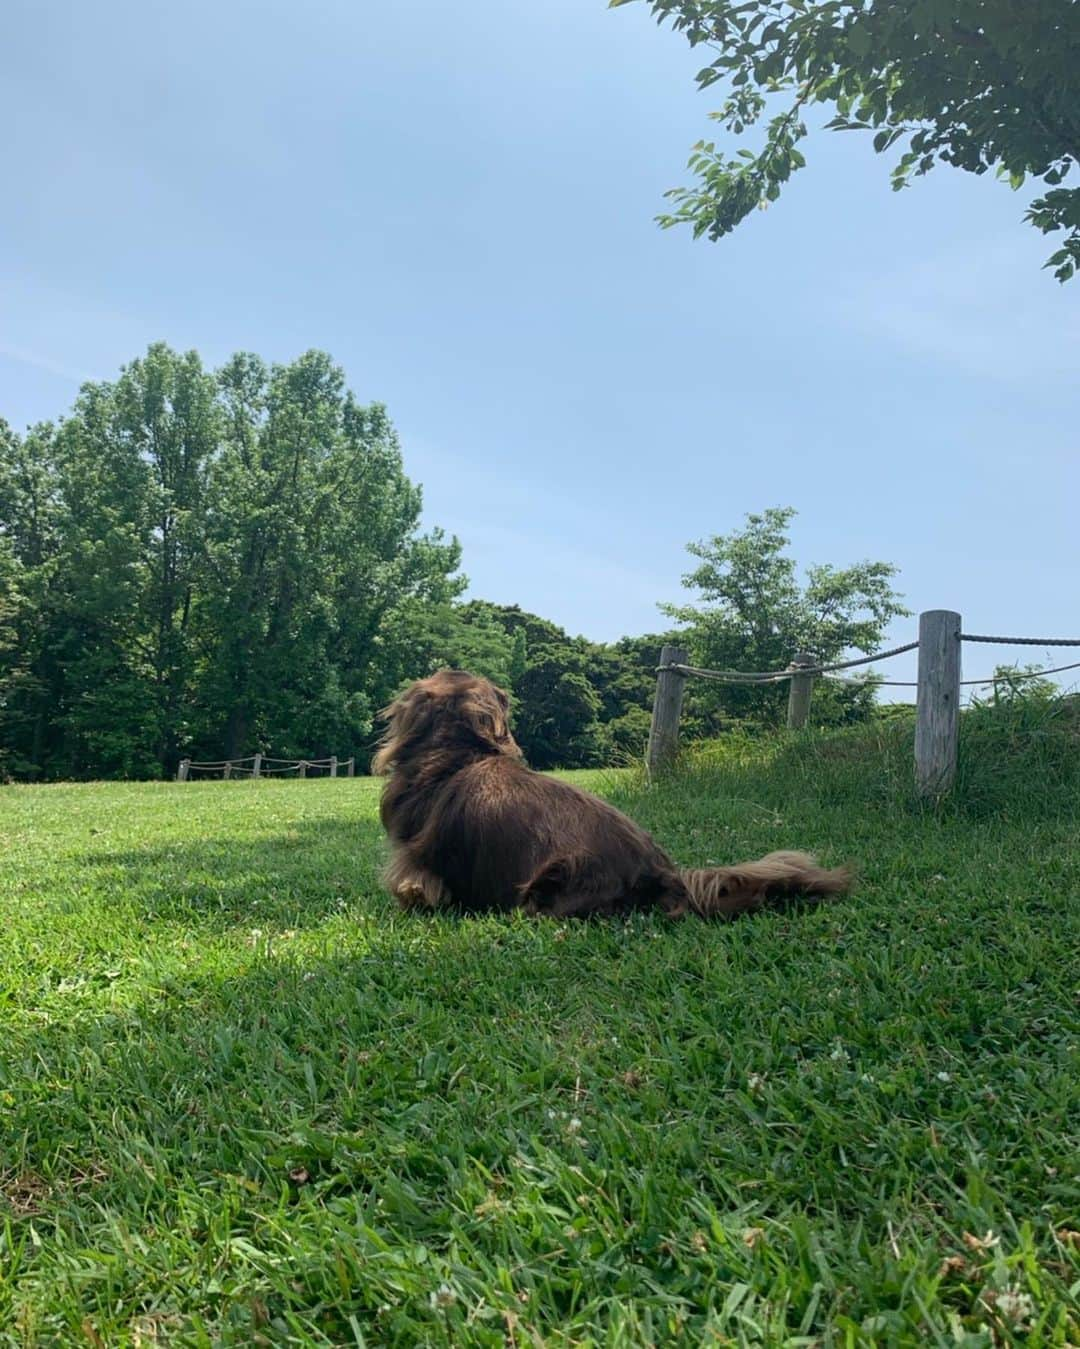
473 829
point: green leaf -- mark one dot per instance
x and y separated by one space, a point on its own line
920 70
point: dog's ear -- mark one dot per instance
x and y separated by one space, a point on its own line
504 733
487 710
409 717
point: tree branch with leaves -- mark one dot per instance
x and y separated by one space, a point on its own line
978 84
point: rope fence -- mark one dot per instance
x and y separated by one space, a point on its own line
1021 641
937 702
256 766
1001 677
793 670
774 676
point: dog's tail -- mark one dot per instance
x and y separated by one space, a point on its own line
723 892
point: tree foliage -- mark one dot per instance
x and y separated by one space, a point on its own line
576 703
555 704
753 613
213 563
207 564
978 84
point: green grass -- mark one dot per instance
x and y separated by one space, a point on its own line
243 1101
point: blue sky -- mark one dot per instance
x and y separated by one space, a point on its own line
457 203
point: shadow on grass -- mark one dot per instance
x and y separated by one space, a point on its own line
340 1127
296 879
297 1102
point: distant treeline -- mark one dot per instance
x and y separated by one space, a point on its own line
208 563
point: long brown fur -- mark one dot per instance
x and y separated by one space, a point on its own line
472 828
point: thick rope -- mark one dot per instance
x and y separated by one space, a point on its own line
222 763
868 681
237 765
309 762
1021 641
1022 674
772 676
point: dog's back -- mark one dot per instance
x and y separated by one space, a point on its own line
501 836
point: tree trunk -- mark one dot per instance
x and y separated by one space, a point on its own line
235 731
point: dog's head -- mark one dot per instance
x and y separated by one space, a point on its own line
451 710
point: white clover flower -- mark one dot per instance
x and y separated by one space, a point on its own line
1011 1305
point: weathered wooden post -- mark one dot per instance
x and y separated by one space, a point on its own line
228 770
303 768
183 769
256 767
667 708
801 687
333 765
938 707
351 768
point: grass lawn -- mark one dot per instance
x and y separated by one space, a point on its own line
243 1101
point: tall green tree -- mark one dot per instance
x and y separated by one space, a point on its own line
978 84
108 648
753 612
210 564
167 404
519 655
313 550
111 607
10 602
28 545
137 453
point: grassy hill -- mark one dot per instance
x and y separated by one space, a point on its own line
243 1101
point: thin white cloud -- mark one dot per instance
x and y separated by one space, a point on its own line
39 362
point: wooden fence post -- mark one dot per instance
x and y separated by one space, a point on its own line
228 770
801 686
333 765
938 715
256 768
303 768
183 770
351 768
667 708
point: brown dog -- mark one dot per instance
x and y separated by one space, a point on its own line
474 829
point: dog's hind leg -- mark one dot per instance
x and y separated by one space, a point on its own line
413 886
567 887
574 887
